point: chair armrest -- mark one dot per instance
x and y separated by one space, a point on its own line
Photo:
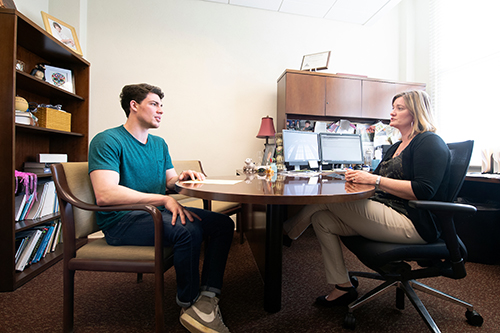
439 206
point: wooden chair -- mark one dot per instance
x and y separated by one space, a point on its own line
77 205
223 207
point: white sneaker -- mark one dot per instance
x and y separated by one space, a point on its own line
203 316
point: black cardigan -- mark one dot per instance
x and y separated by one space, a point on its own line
426 163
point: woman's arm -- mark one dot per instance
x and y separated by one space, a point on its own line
397 187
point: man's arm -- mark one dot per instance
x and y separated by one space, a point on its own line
108 192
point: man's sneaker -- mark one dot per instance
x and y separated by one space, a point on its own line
203 316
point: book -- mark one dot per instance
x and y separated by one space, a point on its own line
22 239
19 202
48 204
34 253
35 170
48 247
27 206
36 209
26 254
52 158
36 167
43 245
57 237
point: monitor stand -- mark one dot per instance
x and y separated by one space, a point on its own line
296 167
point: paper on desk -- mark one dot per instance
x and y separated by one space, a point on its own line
213 181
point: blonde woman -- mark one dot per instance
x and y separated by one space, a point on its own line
417 167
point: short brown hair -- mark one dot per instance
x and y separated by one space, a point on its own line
137 92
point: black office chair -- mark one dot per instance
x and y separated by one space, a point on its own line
445 257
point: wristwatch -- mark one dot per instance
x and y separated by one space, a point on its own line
377 182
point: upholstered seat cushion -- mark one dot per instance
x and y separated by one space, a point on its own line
99 249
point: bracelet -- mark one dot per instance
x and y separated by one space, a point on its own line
377 182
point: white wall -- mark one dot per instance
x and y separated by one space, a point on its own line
218 65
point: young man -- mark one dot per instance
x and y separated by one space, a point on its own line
128 165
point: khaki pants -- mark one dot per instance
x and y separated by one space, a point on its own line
367 218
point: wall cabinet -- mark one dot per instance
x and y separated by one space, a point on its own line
21 39
329 97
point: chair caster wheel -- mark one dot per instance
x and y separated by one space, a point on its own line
349 321
474 318
354 281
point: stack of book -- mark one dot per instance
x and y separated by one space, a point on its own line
44 162
35 167
32 245
33 206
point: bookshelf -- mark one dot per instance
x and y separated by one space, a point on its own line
22 39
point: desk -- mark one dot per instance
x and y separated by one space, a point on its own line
276 195
480 232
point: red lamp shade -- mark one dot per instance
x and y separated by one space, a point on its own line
266 128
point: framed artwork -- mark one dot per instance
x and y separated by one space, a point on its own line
7 4
60 77
268 153
61 31
315 61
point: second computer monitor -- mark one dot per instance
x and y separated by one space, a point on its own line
341 148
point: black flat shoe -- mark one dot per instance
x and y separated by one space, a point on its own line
343 300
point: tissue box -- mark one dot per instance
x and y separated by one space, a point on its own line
54 119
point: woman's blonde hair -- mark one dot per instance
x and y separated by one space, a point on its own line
419 105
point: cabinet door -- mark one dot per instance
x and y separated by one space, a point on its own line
305 94
377 99
343 97
400 87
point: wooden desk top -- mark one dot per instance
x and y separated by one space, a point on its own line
285 190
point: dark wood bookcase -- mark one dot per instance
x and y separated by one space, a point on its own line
22 39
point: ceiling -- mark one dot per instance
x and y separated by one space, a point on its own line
351 11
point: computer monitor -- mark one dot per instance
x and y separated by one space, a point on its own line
341 148
300 147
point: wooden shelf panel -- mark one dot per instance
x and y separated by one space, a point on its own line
26 81
22 39
27 224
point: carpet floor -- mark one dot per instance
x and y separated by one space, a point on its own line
114 302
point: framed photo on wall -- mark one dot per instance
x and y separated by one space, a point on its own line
61 31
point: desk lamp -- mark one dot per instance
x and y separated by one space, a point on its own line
266 129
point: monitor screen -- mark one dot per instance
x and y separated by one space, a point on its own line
300 147
341 148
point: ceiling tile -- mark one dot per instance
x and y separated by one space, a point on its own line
308 8
260 4
352 11
221 1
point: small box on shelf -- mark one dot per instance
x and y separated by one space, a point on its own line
54 119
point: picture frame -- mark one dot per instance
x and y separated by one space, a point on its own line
60 77
7 4
63 32
315 61
268 153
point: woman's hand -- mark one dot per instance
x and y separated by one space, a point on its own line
360 177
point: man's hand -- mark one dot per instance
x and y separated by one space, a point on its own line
190 174
178 210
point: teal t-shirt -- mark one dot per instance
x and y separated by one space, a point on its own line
141 166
